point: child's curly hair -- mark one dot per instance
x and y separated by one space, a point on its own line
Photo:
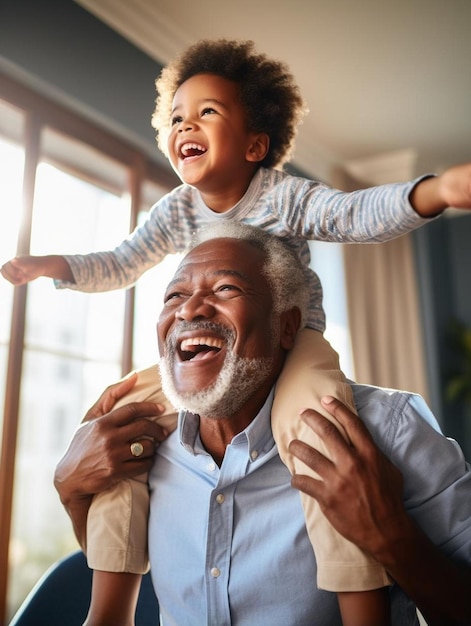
267 91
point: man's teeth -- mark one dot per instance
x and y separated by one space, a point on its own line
212 342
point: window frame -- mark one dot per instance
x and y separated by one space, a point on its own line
42 113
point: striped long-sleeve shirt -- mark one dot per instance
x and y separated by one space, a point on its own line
293 208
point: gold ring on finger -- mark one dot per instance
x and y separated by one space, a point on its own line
137 448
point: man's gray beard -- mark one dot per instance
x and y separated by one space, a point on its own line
238 379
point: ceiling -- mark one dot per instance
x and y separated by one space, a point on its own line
387 82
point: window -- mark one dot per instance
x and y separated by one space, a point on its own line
327 262
58 348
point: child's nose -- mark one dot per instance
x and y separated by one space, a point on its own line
186 125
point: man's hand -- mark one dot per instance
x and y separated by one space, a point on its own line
361 490
361 495
99 454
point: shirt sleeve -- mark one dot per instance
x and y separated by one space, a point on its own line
377 214
437 478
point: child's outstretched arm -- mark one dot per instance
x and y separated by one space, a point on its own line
451 189
23 269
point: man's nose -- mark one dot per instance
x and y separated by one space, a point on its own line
196 306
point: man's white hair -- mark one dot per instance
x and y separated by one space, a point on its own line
282 267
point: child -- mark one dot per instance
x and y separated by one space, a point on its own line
226 117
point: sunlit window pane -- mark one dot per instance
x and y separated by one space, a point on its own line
149 298
73 216
85 218
52 391
327 262
73 345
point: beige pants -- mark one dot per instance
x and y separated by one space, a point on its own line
312 371
117 520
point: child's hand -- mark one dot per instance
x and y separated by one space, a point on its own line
451 189
455 186
22 269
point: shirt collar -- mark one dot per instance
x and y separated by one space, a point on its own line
258 436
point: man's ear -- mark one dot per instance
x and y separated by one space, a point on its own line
290 321
258 148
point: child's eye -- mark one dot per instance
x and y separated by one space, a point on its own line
176 119
208 111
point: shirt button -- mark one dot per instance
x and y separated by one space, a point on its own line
215 572
220 498
211 467
254 454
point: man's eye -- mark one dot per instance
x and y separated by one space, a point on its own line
175 295
228 289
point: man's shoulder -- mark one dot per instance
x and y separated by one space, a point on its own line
383 409
368 395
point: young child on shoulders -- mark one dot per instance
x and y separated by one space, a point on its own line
226 118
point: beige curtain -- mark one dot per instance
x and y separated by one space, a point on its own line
383 310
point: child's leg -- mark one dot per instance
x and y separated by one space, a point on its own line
365 608
114 599
117 519
117 525
312 371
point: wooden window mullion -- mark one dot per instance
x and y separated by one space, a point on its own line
15 356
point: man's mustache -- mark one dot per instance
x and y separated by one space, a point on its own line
171 340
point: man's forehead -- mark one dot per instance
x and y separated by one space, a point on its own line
232 250
221 256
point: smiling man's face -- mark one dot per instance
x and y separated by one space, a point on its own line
217 335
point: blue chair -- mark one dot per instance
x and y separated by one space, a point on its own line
62 597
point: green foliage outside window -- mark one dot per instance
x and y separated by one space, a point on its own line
458 381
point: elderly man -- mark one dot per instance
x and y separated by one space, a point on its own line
227 538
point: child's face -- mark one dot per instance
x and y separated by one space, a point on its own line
209 145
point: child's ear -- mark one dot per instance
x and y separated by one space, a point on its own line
258 147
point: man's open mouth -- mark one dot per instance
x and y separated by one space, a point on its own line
199 348
190 150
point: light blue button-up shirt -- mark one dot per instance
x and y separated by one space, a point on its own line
228 545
